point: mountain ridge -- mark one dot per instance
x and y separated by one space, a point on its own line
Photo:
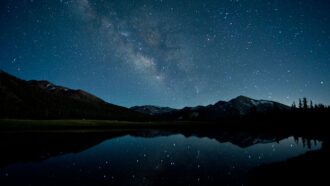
152 109
44 100
56 89
33 99
236 107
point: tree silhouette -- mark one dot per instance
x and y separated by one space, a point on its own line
305 105
311 104
300 103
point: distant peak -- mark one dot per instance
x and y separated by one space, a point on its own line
152 109
241 98
219 102
146 106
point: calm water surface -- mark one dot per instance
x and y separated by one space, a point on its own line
153 160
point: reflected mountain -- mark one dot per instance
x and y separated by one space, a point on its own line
239 138
34 147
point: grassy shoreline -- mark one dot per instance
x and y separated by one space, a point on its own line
19 125
84 126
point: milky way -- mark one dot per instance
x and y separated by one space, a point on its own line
171 53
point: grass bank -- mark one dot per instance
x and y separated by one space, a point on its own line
40 125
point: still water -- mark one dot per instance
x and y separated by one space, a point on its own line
142 158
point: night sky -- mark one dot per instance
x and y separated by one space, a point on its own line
169 52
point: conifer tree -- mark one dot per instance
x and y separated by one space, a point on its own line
305 105
300 103
311 104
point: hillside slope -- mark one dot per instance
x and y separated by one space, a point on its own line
44 100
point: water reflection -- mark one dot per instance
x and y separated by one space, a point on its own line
142 157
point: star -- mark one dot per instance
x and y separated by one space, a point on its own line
99 45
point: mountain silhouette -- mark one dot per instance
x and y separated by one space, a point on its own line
238 107
43 100
153 110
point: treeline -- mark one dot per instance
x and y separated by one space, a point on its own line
307 105
309 116
304 117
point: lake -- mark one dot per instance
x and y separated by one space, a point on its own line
150 157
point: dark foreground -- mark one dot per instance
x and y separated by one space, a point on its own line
101 153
